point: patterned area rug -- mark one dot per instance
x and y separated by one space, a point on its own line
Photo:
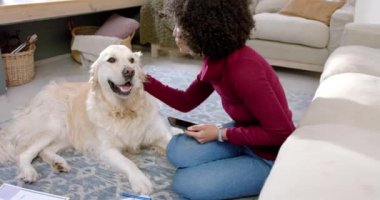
89 179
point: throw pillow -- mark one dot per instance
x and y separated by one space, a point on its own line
319 10
269 6
118 26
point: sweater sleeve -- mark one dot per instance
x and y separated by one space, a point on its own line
263 95
181 100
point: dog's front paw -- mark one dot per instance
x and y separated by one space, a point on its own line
160 150
28 174
140 183
61 166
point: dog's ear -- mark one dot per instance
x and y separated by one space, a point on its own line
137 54
94 75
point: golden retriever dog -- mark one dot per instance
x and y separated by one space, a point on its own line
104 117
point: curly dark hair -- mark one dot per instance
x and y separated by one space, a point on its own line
212 28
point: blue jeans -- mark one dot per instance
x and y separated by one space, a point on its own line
215 170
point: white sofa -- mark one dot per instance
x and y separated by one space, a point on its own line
296 42
335 153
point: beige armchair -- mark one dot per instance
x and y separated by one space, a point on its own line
156 28
293 41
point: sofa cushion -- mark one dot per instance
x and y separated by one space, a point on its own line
320 10
269 5
289 29
328 162
358 59
349 98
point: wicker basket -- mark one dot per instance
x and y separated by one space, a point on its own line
19 67
90 30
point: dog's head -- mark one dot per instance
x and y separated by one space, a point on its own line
117 71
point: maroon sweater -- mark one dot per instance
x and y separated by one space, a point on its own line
251 95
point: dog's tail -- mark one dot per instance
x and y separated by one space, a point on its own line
6 149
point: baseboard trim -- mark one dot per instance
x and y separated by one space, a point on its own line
52 59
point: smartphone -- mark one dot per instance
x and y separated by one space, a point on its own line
179 123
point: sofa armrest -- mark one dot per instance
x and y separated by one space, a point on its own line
361 34
338 21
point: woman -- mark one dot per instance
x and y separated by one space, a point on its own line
232 161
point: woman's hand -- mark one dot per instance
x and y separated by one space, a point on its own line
203 132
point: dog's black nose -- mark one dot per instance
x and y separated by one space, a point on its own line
128 72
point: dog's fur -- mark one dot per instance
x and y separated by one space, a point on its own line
97 117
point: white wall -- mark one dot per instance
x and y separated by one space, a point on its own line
367 11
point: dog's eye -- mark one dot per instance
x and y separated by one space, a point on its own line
132 60
111 60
